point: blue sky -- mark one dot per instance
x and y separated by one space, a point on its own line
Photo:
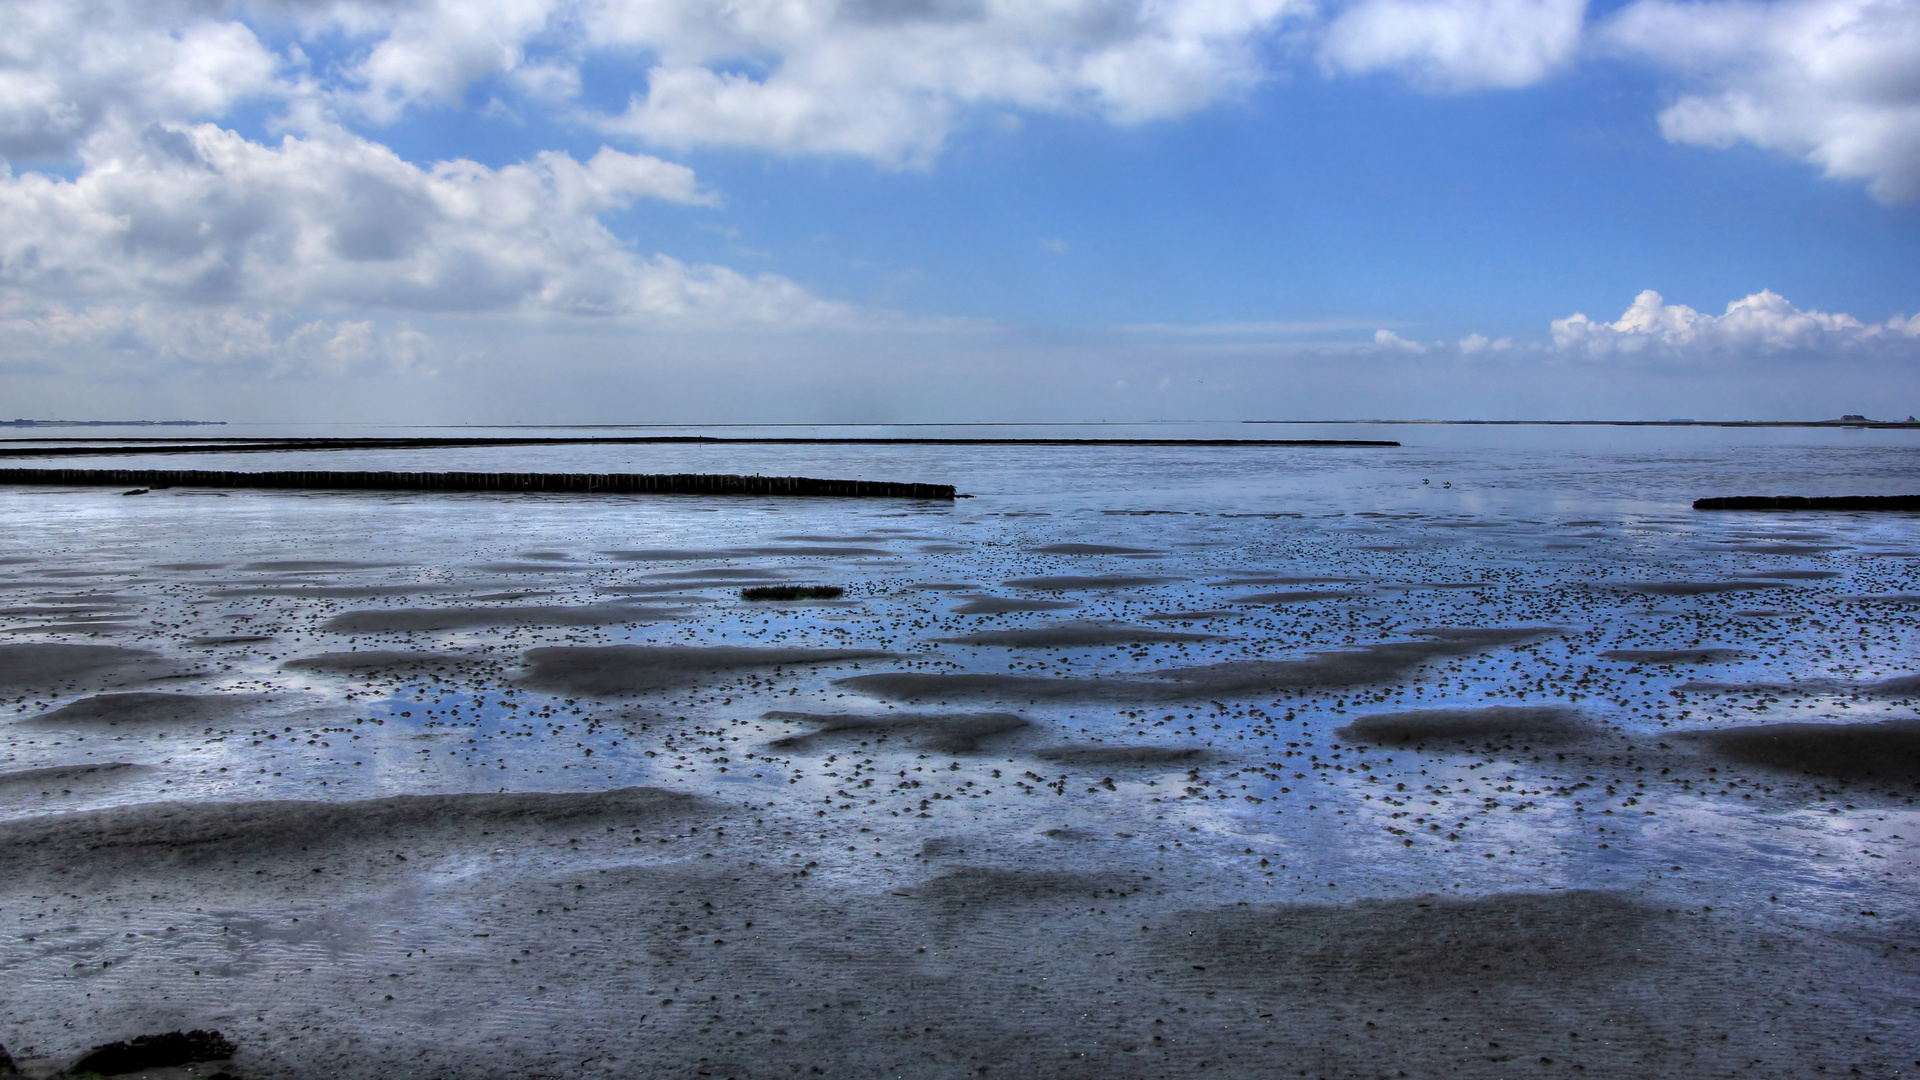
960 209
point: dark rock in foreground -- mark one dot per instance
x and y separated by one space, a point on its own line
154 1052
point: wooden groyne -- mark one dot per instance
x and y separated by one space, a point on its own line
519 483
1802 502
34 448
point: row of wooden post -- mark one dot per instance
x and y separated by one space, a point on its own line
542 483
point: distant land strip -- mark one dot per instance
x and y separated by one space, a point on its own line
21 423
1841 423
1802 502
18 447
543 483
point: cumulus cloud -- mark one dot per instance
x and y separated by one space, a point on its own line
199 214
1835 83
1455 44
1387 339
68 66
883 79
1761 324
887 79
1829 81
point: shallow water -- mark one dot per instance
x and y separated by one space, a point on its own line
1169 645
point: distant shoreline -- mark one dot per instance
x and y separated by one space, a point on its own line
21 423
1622 423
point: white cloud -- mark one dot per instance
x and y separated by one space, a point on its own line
1455 44
1761 324
68 66
432 51
1835 83
888 79
198 214
1387 339
1829 81
882 79
1473 344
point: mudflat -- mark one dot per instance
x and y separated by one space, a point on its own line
1360 782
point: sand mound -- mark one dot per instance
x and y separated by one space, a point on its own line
881 537
144 709
459 618
1888 751
1698 588
1419 945
70 609
331 592
1383 662
1074 635
1088 582
1122 755
671 554
1438 725
1072 835
949 733
814 549
1090 549
1898 686
1675 656
372 660
997 605
628 669
919 686
1804 688
53 665
679 592
989 887
92 628
204 830
721 573
69 774
314 565
1279 579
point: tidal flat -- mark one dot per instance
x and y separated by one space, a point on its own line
1140 763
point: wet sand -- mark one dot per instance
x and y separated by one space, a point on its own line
1458 805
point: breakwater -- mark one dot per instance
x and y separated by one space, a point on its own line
44 447
1802 502
519 483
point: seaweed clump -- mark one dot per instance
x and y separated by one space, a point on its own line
792 592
